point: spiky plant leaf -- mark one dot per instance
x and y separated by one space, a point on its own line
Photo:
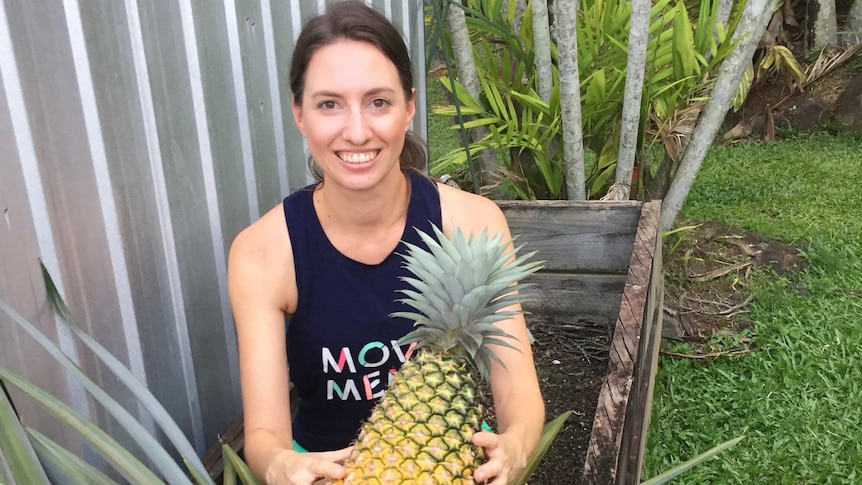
480 276
549 432
18 454
683 467
245 474
152 405
63 466
123 461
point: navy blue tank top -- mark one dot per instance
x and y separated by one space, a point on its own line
341 340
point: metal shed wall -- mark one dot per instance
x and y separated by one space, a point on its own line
137 138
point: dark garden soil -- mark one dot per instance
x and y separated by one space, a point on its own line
571 367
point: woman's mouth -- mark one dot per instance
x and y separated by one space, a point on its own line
358 157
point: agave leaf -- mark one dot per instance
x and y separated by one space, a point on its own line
683 467
129 466
156 410
200 479
64 466
245 474
549 432
17 452
229 474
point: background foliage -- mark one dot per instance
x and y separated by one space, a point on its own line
681 61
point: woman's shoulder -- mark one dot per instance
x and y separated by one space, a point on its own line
264 244
468 211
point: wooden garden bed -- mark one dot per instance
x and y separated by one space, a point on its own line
602 269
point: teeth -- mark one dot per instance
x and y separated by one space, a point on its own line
358 157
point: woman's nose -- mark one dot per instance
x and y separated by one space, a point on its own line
356 129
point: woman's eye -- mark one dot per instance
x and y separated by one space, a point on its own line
327 105
380 103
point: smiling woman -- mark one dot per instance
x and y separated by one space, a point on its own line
354 115
331 258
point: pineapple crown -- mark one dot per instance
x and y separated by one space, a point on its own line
460 290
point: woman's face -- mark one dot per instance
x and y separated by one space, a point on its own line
354 114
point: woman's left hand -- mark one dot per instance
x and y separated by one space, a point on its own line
505 457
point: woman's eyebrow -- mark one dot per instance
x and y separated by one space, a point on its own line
380 90
370 92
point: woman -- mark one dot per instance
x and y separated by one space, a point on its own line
328 260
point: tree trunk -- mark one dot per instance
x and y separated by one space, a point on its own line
853 24
542 48
520 8
723 12
822 24
755 17
630 127
570 98
483 164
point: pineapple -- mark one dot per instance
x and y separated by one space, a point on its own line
419 432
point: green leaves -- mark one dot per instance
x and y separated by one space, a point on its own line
28 454
684 467
16 449
64 466
549 432
120 458
682 54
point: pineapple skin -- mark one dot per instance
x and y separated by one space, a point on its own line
420 432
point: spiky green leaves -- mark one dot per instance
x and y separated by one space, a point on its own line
461 289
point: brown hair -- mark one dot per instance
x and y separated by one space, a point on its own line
353 20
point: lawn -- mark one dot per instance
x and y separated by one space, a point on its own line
798 396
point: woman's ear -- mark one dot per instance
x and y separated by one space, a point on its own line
297 116
411 107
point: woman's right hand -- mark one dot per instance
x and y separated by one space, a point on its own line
289 467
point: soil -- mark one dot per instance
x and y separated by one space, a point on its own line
571 368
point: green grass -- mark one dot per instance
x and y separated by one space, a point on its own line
798 396
442 139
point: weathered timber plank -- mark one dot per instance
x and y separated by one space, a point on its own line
630 464
637 424
592 299
646 384
603 468
596 238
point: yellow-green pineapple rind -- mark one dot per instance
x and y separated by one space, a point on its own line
420 430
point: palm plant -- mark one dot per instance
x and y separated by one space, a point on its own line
681 60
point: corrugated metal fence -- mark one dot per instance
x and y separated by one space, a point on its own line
137 138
